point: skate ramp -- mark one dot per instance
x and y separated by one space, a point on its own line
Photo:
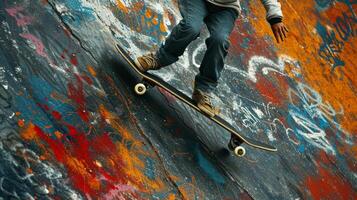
73 128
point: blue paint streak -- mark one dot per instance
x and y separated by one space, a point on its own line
322 5
40 93
149 168
208 167
78 13
329 38
77 6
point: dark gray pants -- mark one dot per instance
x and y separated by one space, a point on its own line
220 22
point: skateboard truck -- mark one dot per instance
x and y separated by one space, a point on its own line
235 146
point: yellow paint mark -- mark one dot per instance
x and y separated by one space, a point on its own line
99 164
91 71
163 27
28 133
134 167
155 20
171 197
116 124
122 6
58 134
148 13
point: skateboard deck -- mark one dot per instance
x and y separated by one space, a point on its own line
152 80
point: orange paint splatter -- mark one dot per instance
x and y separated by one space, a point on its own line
171 197
122 6
28 133
58 134
303 44
91 70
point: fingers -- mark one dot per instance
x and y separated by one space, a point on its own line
276 35
281 34
286 29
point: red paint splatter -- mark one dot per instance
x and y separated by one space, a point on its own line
45 107
269 91
73 59
76 93
63 54
326 185
56 147
79 156
243 40
56 115
87 79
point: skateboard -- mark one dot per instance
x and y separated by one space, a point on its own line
149 80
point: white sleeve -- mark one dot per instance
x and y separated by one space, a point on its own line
273 9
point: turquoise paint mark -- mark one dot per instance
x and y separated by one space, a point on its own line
301 148
41 90
77 6
150 168
78 13
323 5
303 111
152 30
245 43
31 112
207 167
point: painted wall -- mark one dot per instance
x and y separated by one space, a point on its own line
71 126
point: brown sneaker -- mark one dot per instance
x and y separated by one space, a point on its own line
203 100
147 62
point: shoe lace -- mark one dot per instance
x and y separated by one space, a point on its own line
207 99
151 60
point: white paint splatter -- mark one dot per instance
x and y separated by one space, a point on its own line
259 113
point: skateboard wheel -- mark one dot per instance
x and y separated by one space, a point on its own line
140 89
239 151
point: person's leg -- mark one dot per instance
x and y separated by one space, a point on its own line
220 23
193 13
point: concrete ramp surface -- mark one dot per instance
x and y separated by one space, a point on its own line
73 128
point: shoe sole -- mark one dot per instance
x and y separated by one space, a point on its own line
139 67
205 110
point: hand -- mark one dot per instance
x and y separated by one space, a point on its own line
280 31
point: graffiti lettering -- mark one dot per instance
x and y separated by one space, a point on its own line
333 46
312 115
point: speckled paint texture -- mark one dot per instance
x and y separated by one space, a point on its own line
71 126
